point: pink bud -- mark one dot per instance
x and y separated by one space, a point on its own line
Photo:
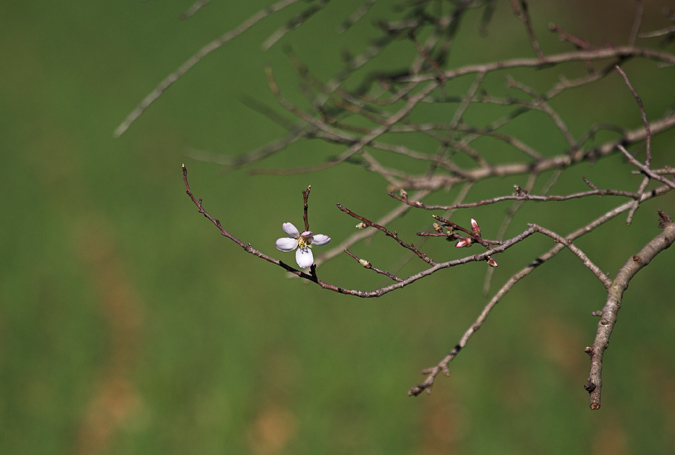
466 241
492 263
474 227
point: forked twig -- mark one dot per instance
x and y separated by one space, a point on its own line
442 366
613 304
367 121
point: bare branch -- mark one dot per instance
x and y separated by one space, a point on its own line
636 24
523 14
368 265
521 196
192 61
196 6
246 246
415 129
604 279
393 235
477 324
644 168
293 23
622 52
613 304
648 140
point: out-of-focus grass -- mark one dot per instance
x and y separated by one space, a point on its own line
127 325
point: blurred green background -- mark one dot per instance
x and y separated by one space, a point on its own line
129 326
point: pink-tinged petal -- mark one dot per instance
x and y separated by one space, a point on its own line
291 230
466 241
304 257
286 244
492 263
320 239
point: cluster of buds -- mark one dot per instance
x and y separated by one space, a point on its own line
519 191
465 241
468 241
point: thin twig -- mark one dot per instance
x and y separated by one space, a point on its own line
393 214
523 14
196 58
639 13
643 114
644 168
604 279
519 197
305 206
623 52
388 233
246 246
196 6
442 366
293 24
370 266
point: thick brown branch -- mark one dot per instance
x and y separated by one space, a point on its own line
613 304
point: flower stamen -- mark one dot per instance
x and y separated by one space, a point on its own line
302 243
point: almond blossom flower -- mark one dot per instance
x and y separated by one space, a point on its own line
303 242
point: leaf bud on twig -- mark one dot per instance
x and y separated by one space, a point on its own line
519 191
474 227
466 241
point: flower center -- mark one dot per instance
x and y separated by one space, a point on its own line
304 243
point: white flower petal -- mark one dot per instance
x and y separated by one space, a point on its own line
286 244
291 230
320 239
304 257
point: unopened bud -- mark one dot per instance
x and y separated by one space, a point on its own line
491 262
361 225
404 194
474 227
437 228
364 263
466 241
